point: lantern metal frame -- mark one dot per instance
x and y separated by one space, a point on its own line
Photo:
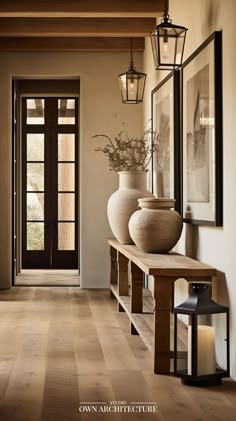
167 30
199 303
132 75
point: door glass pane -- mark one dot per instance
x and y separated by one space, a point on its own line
35 236
35 206
66 147
66 236
66 207
66 111
35 111
35 147
35 177
66 177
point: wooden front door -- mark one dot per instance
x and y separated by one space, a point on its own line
50 183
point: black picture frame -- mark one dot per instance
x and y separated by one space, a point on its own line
202 134
165 109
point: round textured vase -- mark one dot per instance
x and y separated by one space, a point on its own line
155 228
124 202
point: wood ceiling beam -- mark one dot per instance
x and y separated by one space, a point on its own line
71 44
81 8
33 27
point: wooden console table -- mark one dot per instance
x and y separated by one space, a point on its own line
166 269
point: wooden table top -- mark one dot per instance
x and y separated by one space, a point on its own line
170 264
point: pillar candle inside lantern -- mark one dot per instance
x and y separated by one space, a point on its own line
206 350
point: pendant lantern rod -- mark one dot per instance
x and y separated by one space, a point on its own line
131 52
166 10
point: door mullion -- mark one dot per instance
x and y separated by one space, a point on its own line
47 185
51 115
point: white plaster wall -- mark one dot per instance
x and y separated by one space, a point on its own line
101 111
215 246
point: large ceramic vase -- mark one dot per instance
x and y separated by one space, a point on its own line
124 202
156 228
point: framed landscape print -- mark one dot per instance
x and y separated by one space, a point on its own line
202 134
166 128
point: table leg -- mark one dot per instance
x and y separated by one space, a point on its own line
136 304
113 273
123 282
163 297
136 289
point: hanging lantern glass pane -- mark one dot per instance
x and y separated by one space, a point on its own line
123 89
179 49
132 84
155 47
167 50
141 88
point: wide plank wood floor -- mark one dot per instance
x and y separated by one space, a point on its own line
48 278
62 346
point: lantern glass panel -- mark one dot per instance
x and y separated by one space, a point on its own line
155 47
167 47
219 321
132 85
179 49
122 81
141 87
206 346
182 343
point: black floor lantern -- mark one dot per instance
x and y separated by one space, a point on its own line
132 83
199 365
168 41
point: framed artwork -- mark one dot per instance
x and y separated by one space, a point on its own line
202 134
166 127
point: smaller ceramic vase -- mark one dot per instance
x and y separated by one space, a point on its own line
156 228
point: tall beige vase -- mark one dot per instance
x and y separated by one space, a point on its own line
124 202
155 228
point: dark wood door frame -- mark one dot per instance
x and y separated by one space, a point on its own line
51 256
57 259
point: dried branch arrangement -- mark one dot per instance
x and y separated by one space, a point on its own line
129 154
